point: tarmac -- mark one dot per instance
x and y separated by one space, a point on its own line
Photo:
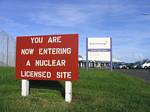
143 74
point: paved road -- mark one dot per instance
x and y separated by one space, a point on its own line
140 73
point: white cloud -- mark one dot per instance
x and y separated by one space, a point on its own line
7 22
60 16
75 14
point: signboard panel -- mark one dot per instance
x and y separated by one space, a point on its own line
99 56
49 57
99 43
99 49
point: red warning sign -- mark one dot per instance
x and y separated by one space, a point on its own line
49 57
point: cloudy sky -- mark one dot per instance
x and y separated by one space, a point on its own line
126 21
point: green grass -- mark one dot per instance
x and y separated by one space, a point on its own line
95 91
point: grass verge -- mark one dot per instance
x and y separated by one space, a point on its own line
95 91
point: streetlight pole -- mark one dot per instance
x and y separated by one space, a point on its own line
7 42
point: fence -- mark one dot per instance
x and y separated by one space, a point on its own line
7 49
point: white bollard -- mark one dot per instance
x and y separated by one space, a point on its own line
25 87
81 65
68 91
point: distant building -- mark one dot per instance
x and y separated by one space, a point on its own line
96 64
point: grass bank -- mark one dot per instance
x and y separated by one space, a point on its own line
95 91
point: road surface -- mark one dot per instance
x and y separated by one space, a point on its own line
140 73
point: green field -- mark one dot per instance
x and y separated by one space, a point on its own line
95 91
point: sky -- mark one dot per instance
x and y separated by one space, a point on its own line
127 22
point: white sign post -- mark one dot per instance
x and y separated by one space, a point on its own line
25 87
68 91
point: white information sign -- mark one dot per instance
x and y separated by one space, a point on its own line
99 49
99 43
99 56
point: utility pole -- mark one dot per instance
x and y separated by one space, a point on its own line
7 42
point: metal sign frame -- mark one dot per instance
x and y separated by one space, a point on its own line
98 50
